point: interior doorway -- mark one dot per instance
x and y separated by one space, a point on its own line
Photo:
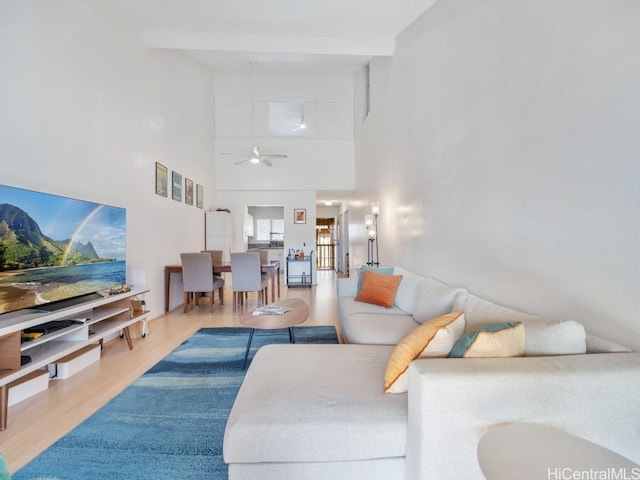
326 243
264 226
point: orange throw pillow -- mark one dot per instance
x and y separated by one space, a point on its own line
378 289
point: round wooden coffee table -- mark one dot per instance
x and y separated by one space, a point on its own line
298 314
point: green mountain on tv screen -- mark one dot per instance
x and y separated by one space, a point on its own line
23 245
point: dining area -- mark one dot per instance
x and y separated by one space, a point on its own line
204 272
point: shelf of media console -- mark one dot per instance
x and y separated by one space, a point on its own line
99 321
63 344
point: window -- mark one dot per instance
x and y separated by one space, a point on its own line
286 119
270 229
263 229
277 229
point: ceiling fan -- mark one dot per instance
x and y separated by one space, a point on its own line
256 157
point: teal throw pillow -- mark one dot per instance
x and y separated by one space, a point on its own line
380 270
491 341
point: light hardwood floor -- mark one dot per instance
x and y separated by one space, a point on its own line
36 423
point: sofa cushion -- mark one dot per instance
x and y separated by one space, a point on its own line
497 340
597 344
372 324
408 289
378 289
479 311
434 338
542 336
433 299
316 403
347 286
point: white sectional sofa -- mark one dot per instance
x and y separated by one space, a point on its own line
319 411
419 299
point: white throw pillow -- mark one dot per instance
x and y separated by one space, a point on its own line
554 337
434 299
543 336
407 290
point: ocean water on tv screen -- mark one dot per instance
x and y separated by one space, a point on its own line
33 287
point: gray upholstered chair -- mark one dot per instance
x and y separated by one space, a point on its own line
216 255
216 258
264 259
197 277
264 254
246 276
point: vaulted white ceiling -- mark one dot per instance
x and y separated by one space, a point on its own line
277 35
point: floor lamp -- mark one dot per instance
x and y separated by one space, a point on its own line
371 221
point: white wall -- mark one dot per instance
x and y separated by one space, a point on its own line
504 150
326 212
87 111
322 160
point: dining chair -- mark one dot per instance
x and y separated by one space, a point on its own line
216 258
216 255
246 276
264 255
197 277
264 259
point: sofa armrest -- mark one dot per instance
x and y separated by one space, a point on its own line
347 287
453 402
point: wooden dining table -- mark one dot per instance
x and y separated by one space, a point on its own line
273 269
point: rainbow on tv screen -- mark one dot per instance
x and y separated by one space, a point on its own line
54 248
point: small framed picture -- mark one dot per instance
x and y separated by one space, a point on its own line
299 215
176 191
188 191
199 196
161 179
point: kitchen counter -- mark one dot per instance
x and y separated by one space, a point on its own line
276 254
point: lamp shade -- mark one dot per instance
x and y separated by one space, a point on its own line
368 220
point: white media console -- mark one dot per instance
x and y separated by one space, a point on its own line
94 320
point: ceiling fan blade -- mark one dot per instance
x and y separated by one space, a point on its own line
256 157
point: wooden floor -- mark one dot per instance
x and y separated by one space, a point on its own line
36 423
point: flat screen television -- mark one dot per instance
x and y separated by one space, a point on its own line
54 249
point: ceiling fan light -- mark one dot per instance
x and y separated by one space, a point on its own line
255 160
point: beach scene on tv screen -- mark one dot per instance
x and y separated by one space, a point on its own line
53 248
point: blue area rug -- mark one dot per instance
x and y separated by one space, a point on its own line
169 424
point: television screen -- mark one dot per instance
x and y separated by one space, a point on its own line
54 248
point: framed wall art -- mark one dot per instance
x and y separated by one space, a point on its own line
199 196
188 191
176 181
161 179
299 215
